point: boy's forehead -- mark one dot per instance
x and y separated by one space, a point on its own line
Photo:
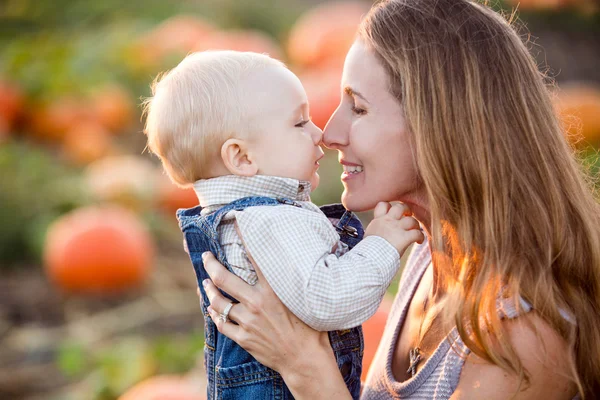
272 89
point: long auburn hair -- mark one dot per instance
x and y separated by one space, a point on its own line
512 211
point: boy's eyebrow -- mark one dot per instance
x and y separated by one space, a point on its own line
351 92
299 109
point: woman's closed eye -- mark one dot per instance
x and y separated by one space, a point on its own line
358 111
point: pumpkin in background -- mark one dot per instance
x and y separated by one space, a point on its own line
372 332
126 180
325 32
175 36
323 90
579 106
171 197
240 40
112 107
166 387
12 102
86 142
52 119
98 250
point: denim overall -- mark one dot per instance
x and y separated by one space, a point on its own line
232 372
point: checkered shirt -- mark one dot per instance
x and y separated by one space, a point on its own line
299 251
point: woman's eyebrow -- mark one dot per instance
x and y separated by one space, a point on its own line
351 92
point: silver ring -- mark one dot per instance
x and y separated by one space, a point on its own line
225 314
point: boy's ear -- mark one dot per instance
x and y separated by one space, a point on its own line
236 158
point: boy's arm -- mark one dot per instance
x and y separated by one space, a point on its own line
292 248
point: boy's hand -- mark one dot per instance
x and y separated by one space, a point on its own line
395 224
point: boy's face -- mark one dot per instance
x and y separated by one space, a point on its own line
284 141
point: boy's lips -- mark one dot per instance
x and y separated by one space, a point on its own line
319 159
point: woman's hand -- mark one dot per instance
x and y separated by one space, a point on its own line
272 334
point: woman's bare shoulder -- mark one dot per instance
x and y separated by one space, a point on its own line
544 354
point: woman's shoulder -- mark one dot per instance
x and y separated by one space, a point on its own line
544 353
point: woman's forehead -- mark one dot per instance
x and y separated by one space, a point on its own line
363 72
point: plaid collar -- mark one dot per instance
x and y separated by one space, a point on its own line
225 189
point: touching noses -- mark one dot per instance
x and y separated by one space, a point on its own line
335 134
317 135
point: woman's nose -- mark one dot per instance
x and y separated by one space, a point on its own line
335 134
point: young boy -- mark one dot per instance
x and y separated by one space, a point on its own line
236 126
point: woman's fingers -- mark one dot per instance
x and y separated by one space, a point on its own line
232 331
218 302
225 280
381 209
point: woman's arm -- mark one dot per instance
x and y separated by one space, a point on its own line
273 335
544 354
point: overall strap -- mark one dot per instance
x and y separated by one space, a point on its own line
214 219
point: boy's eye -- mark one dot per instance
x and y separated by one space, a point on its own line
302 123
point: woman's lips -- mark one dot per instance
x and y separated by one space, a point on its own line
351 171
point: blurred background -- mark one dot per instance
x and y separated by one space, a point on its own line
97 298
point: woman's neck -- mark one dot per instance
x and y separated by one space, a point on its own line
419 205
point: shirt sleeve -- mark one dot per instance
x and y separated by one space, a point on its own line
292 247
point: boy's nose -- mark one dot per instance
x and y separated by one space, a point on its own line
317 135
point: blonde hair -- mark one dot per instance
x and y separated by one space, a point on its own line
196 107
511 210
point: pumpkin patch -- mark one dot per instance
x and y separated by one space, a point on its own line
98 250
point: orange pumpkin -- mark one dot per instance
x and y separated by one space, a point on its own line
86 142
166 387
12 101
171 197
579 107
177 35
51 120
323 90
113 108
372 331
98 250
240 40
129 181
325 32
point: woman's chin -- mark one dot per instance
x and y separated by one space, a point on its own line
356 202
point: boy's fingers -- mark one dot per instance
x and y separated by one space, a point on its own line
381 209
408 223
416 236
397 211
225 280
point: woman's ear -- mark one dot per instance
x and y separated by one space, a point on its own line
236 158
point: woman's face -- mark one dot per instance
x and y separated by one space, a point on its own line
369 131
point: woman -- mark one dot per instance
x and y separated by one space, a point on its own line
446 112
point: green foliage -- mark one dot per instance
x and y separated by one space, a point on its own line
110 371
35 188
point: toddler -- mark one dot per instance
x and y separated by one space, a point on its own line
236 127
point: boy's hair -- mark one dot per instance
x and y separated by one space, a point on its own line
196 107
